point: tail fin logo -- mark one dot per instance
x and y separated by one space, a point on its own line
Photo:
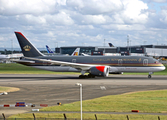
76 54
27 48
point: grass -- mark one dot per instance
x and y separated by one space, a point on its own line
14 68
150 101
147 102
164 72
8 89
89 116
4 89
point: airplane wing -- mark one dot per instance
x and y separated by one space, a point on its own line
84 67
23 61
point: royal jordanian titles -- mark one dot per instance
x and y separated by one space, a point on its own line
94 65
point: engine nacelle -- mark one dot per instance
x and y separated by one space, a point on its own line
99 71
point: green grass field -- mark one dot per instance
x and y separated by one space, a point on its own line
14 68
146 102
149 101
88 116
8 89
2 89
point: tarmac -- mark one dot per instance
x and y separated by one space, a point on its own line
51 89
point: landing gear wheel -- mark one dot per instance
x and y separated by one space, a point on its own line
91 76
81 76
149 76
86 76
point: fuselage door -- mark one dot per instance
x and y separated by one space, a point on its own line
145 62
74 60
120 62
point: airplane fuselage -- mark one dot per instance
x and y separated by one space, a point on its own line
116 63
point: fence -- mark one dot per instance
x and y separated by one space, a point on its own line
65 118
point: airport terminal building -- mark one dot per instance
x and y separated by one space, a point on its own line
152 50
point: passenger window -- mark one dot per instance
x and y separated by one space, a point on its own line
74 60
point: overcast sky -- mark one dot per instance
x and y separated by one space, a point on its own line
83 22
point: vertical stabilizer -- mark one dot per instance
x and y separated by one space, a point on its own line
110 44
76 52
48 49
28 49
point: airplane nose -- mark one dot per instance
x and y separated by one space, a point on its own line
162 67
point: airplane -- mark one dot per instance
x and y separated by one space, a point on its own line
110 44
10 57
93 65
84 54
75 53
4 57
48 49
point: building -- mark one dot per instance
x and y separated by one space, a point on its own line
153 50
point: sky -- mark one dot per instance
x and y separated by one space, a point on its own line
83 22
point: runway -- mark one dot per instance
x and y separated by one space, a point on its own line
50 89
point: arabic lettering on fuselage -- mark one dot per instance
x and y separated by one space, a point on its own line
115 59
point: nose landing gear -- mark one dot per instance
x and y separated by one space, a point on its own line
149 75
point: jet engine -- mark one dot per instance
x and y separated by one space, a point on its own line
99 71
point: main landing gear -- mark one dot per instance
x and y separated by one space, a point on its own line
149 75
87 76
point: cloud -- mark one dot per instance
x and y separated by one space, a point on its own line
34 7
159 1
124 27
95 7
75 21
163 18
93 19
134 11
103 11
47 19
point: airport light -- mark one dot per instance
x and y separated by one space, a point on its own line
12 47
104 47
80 85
